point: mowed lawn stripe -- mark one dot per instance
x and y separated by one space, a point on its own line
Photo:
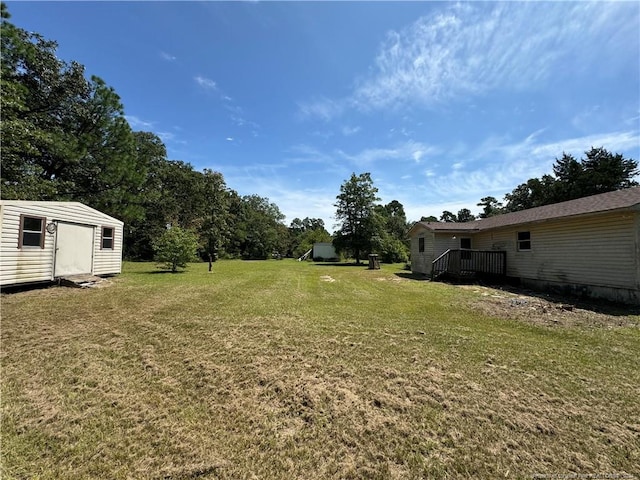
284 369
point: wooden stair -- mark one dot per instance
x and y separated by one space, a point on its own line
81 281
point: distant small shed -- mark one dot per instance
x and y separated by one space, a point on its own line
324 251
43 241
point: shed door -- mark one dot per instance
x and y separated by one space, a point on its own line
74 249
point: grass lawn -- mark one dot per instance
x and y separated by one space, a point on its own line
289 370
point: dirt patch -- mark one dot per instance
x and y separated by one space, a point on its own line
541 309
390 279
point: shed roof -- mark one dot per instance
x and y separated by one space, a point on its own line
604 202
60 205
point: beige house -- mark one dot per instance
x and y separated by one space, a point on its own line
589 246
43 241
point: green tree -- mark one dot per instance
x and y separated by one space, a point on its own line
608 171
568 182
448 216
601 171
256 227
40 97
215 220
394 218
392 244
355 212
490 207
63 137
140 233
308 238
465 215
175 248
304 233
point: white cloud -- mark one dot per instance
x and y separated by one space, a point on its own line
409 150
470 49
495 167
205 82
348 131
229 139
520 161
303 153
135 122
167 56
170 137
324 108
294 200
166 136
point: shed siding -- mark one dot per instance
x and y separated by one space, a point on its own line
599 250
29 264
107 261
34 264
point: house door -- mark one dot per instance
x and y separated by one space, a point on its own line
74 249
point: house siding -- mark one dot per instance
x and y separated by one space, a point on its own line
637 250
588 246
446 241
598 250
421 261
34 264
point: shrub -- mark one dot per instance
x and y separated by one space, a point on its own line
175 248
393 251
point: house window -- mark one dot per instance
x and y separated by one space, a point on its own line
31 231
421 244
524 241
107 238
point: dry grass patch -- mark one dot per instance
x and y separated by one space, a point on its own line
266 370
549 310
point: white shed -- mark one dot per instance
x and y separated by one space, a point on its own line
43 241
324 251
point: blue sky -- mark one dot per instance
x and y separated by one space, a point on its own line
444 103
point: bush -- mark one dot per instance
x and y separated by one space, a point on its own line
393 251
175 248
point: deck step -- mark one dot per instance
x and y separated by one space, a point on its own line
81 281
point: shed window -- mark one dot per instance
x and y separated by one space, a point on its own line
524 241
421 244
107 238
31 232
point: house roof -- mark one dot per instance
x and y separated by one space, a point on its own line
604 202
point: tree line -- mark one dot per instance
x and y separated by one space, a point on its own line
65 138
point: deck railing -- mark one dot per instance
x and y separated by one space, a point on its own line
462 263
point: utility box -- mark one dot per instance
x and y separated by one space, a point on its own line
374 264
